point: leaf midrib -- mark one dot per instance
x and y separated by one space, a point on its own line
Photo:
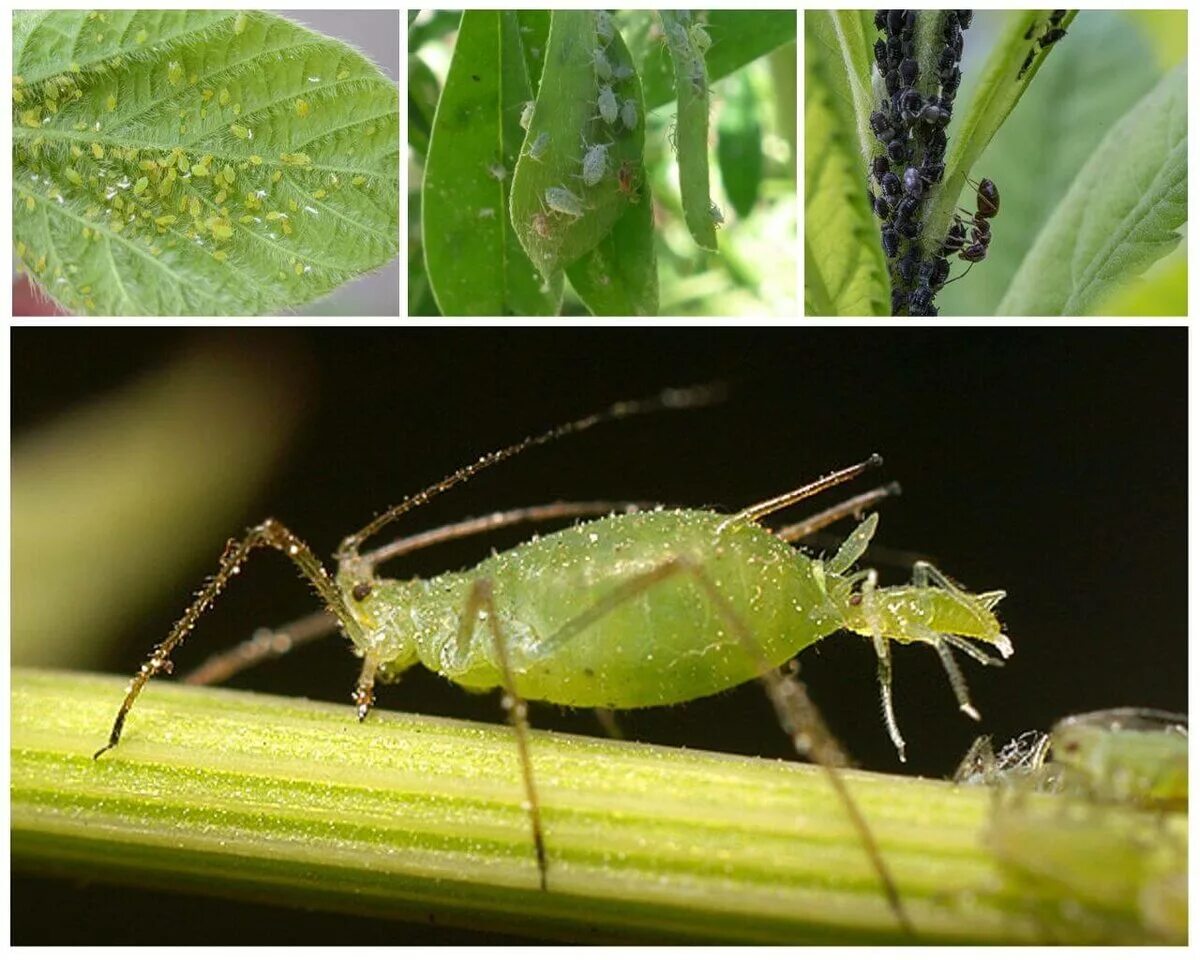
84 137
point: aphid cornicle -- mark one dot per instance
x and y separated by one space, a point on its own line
582 617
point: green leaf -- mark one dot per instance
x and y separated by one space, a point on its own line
838 52
996 94
845 272
535 32
423 95
691 126
619 276
475 263
1121 214
1046 140
197 162
739 146
565 118
738 37
1161 293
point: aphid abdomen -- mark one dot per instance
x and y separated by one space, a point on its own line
666 643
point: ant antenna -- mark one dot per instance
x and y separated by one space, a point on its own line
682 398
961 275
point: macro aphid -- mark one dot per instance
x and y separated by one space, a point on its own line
527 114
606 103
575 616
562 200
629 114
594 164
539 146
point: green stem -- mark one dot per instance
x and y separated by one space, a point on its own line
292 802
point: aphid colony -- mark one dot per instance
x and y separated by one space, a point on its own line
618 116
166 200
1054 33
910 125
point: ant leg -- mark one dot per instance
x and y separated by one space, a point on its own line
270 533
883 658
264 644
481 601
797 713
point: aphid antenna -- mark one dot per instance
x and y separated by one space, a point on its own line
684 398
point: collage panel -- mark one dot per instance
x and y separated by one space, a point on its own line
1007 163
497 638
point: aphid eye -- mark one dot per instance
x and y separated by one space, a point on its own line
361 591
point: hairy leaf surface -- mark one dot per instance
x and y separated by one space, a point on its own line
197 162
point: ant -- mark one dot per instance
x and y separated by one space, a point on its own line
975 247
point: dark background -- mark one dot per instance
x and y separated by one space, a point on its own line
1049 463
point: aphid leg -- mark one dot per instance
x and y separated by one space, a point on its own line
608 721
265 644
364 690
796 712
925 573
269 533
853 547
883 658
481 602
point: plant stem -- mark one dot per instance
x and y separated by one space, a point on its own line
292 802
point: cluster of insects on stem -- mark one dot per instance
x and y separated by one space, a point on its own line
586 616
910 126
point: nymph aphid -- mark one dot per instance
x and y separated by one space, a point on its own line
625 181
562 200
538 147
606 103
527 114
595 163
629 114
550 620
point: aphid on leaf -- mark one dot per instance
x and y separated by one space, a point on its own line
527 114
606 102
625 180
562 200
540 143
629 114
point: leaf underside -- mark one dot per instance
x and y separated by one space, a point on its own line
197 162
1122 213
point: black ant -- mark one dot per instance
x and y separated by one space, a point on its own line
974 247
